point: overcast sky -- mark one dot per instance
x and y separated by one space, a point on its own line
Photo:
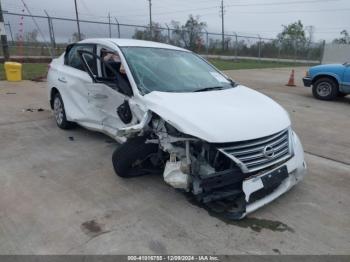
247 17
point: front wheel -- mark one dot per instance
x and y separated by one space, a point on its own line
136 158
325 89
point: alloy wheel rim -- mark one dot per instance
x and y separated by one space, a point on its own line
58 110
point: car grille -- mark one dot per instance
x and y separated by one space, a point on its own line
257 154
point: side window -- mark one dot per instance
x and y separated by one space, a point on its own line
73 59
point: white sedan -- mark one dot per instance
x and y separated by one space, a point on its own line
230 146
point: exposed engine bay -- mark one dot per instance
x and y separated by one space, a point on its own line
214 177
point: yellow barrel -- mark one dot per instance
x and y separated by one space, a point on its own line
13 71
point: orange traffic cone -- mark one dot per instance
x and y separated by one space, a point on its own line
291 79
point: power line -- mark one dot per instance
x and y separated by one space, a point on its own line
236 5
284 3
37 26
238 11
173 12
246 34
298 11
239 5
213 7
286 12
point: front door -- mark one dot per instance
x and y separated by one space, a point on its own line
106 100
105 94
345 88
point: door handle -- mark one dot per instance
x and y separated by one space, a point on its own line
100 96
62 79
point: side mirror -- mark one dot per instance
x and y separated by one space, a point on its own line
233 83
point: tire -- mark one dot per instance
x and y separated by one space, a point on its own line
325 89
134 158
60 113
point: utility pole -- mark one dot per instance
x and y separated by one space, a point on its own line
109 25
222 12
52 34
5 46
150 17
118 27
77 16
168 32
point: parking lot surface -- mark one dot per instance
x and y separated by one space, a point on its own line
59 193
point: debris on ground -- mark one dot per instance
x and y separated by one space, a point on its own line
71 138
10 93
33 110
255 224
276 251
39 79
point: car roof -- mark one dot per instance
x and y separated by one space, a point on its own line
131 42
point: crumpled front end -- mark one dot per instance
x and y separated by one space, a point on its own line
235 178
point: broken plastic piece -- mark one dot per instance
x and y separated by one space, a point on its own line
175 177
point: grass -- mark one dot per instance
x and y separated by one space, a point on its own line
29 70
33 70
250 64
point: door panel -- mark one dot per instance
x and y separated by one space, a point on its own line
346 81
105 101
75 94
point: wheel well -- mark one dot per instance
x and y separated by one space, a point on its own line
54 91
324 76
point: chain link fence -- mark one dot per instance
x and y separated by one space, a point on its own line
44 36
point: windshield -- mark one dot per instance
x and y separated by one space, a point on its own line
166 70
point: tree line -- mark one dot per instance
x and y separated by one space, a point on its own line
294 41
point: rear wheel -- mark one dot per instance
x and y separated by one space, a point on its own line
136 158
325 89
60 113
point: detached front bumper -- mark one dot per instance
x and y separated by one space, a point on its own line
293 178
307 81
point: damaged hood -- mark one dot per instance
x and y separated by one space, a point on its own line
221 116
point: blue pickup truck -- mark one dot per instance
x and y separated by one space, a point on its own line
329 81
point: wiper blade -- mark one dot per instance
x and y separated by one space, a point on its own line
209 89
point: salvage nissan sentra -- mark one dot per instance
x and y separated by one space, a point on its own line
228 145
